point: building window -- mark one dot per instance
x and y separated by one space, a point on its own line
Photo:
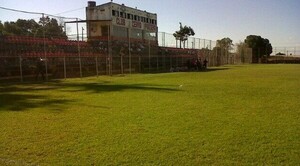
122 14
130 16
135 17
115 13
153 22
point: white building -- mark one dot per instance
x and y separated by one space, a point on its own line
120 22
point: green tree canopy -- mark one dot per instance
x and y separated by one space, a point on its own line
22 27
225 43
260 46
183 34
52 28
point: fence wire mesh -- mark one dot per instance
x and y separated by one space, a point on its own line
24 58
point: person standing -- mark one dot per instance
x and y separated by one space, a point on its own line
40 69
205 64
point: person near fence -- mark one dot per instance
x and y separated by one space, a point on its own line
199 64
40 68
122 51
205 64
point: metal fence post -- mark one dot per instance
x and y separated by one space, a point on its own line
80 69
140 65
44 46
122 66
21 70
97 70
163 39
109 52
194 43
157 63
65 68
129 33
149 63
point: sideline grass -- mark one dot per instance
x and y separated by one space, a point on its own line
241 115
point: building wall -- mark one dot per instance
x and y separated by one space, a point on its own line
124 21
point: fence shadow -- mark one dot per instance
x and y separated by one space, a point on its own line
215 69
105 87
20 98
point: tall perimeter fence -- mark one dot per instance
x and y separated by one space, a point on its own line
25 58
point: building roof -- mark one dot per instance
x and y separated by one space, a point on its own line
110 3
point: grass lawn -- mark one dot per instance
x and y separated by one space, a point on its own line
232 115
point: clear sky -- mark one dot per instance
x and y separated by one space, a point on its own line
277 20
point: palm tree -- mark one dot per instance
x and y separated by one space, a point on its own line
183 34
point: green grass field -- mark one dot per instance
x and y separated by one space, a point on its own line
232 115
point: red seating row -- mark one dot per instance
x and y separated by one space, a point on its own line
57 54
35 40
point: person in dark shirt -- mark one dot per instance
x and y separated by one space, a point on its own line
205 64
198 63
40 69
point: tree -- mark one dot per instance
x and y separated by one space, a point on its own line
50 27
260 47
225 43
183 34
10 28
242 50
1 28
27 27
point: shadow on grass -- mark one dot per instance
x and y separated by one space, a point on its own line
103 87
22 102
21 97
215 69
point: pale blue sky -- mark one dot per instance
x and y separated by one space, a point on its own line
277 20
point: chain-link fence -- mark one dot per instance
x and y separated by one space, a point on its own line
286 51
27 58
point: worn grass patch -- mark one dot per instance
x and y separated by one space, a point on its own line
231 115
